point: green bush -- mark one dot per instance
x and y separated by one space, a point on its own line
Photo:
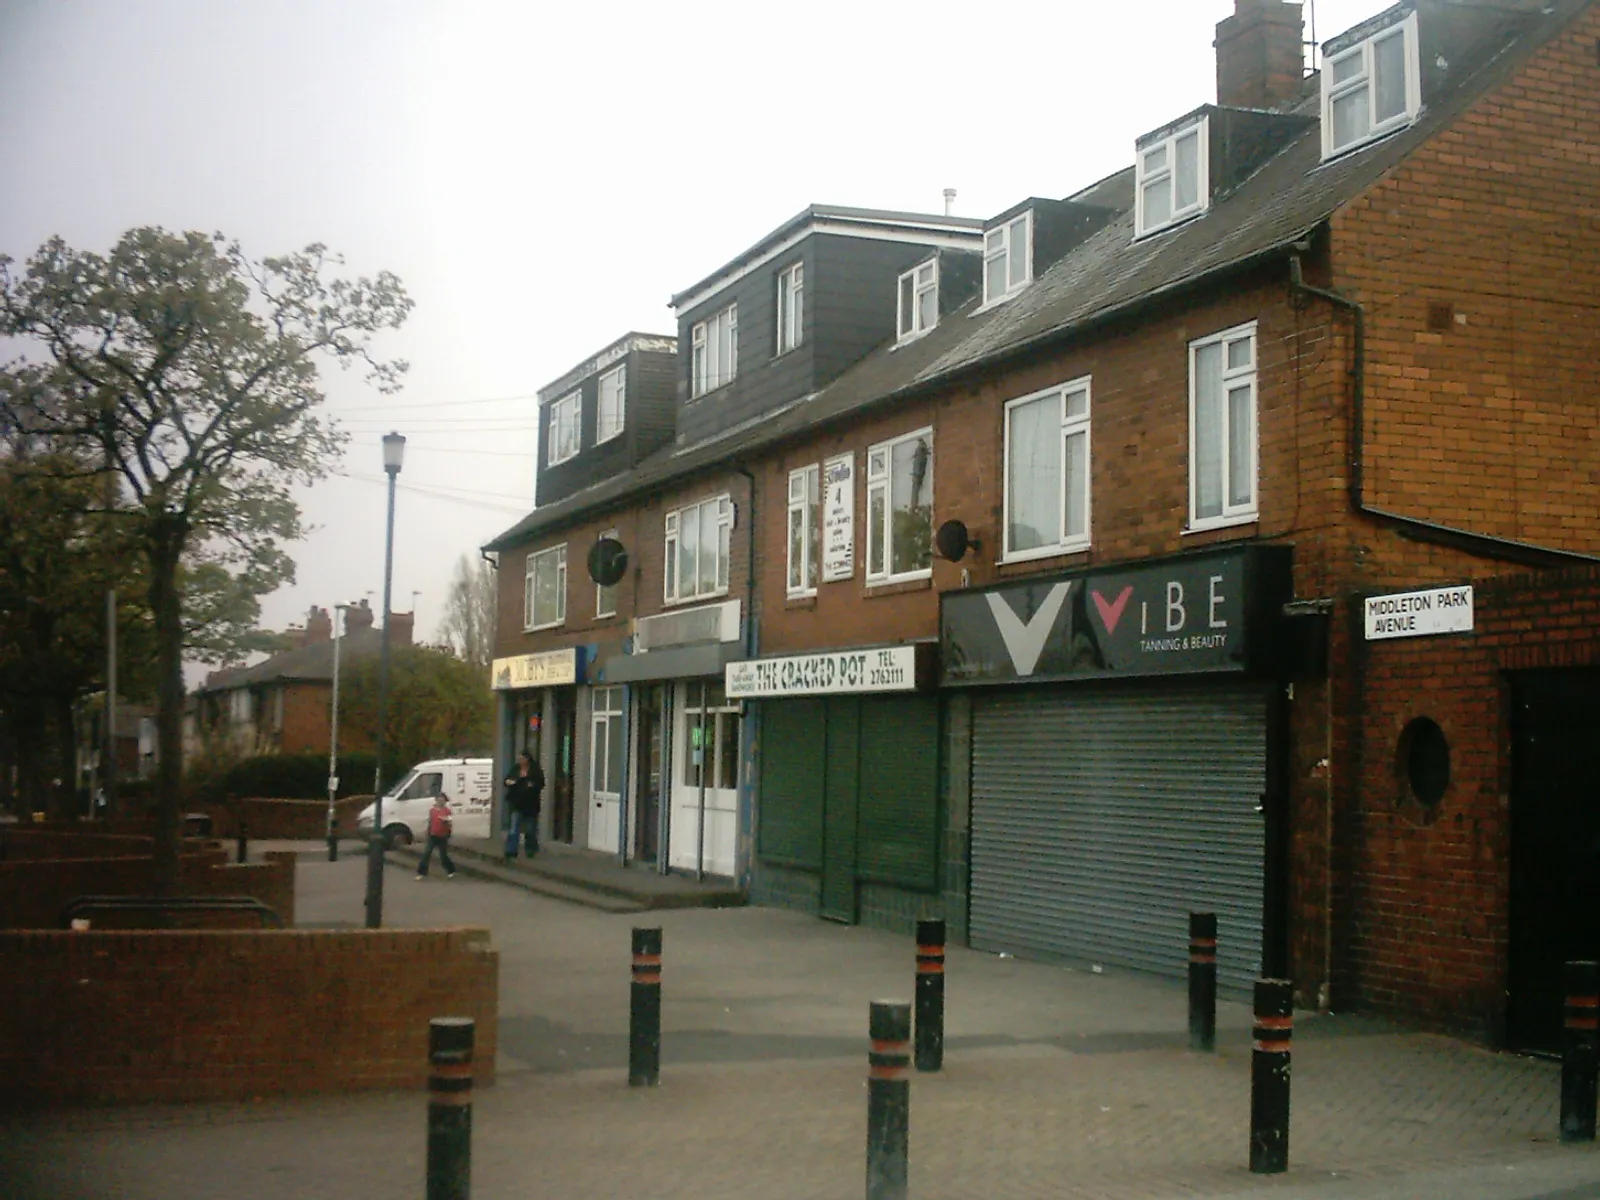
288 777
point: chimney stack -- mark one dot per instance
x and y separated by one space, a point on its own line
1261 55
319 627
401 625
357 618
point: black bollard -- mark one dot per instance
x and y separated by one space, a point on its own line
1202 981
244 842
1269 1077
930 995
1580 1052
644 1010
888 1100
450 1108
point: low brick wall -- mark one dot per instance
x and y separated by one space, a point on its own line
295 820
34 893
156 1016
36 841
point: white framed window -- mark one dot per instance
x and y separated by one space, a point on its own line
805 529
608 743
605 598
1222 428
1372 88
612 406
714 351
791 306
1007 258
544 589
900 508
1047 472
566 428
919 300
698 539
1174 181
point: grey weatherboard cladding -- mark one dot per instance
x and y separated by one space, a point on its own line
1103 814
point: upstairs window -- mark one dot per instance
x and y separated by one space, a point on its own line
791 306
698 541
919 300
1222 428
613 403
714 352
1371 88
1047 472
566 428
1173 184
1007 258
900 508
544 589
805 529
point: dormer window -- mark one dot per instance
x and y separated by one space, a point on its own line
613 404
1371 88
714 351
1173 178
791 306
1007 259
919 300
566 428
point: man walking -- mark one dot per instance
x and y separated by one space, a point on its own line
524 792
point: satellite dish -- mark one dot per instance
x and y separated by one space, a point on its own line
608 562
953 540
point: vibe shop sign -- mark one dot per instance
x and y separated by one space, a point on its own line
1191 614
1417 614
892 669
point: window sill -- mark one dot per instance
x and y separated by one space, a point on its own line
1372 139
711 391
1230 527
545 626
987 305
1168 227
612 438
909 338
686 600
896 587
1043 552
799 602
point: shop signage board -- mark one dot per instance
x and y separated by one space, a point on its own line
548 669
1418 614
891 669
1194 613
706 624
838 518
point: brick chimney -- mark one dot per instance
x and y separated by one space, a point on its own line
357 617
1260 55
400 628
319 627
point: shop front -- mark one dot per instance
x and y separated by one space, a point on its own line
848 812
537 714
1127 738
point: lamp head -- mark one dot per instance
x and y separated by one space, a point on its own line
394 452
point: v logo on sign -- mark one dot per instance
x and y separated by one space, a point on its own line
1111 613
1025 643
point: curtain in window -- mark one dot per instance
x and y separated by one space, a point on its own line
1208 432
1035 475
911 495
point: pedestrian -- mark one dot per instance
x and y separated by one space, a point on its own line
438 836
524 792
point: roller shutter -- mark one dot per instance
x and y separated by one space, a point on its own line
1102 816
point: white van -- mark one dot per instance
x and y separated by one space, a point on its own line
468 783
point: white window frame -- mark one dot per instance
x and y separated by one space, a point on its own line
791 307
1233 513
557 555
607 728
609 425
1366 78
882 481
1070 427
672 589
601 592
922 280
708 340
805 505
565 414
1001 242
1166 173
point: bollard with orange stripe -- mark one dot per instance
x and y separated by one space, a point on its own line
1269 1076
888 1100
1202 981
930 995
644 1010
1580 1052
450 1108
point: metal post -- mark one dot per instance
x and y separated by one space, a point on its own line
1580 1056
644 1010
375 846
109 779
1269 1077
1202 981
700 823
333 745
888 1100
450 1108
930 995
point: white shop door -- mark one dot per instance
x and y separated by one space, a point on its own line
705 749
608 744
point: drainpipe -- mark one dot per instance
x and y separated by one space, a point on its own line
1477 544
749 564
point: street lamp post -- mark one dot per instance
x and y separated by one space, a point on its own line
333 742
394 450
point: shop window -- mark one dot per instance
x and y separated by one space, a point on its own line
1422 764
712 722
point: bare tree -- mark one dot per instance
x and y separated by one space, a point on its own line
469 613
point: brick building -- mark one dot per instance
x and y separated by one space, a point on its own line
1080 592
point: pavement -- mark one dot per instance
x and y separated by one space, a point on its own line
1058 1082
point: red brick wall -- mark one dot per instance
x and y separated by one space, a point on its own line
306 716
37 841
35 893
149 1017
267 817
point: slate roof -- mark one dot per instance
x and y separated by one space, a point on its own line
1108 276
313 663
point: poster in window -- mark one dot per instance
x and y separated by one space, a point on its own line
838 518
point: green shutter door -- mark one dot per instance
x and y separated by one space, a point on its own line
793 758
898 820
839 816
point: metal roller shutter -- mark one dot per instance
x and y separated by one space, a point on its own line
1101 817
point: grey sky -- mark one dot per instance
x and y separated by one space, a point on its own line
544 176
